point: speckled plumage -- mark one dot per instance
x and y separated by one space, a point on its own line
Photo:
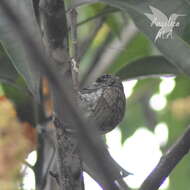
104 101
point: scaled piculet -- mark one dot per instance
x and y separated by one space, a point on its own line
104 101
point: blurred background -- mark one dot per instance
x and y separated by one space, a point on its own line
157 110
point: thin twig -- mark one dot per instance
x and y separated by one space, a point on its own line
28 165
74 50
85 45
95 62
167 163
107 10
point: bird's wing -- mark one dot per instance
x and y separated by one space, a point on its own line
161 17
91 88
89 97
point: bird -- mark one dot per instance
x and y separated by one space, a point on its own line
104 101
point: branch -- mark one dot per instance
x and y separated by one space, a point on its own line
74 50
167 163
55 31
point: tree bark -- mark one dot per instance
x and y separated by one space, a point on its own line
54 24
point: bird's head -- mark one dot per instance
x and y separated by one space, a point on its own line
109 80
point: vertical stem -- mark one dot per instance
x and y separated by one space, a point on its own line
54 24
74 49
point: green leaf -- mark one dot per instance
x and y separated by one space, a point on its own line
176 50
114 22
7 71
148 67
138 47
24 103
9 75
14 46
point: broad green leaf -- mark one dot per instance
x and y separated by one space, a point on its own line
139 46
24 103
10 77
176 50
97 7
7 71
148 67
14 46
115 24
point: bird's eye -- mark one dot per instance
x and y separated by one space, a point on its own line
103 78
